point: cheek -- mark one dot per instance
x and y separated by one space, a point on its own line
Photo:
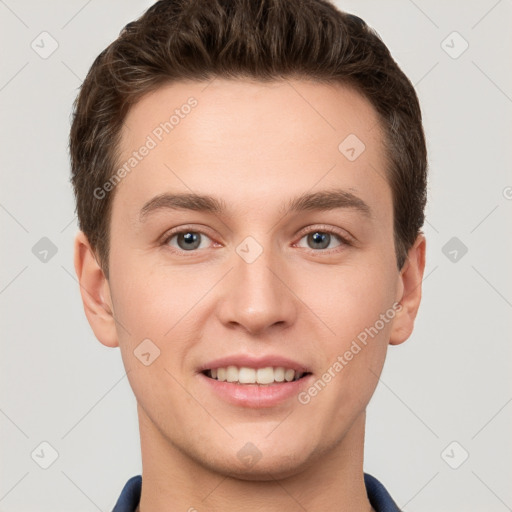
357 306
166 306
150 301
353 299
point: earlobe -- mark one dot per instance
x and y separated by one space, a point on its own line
411 277
95 292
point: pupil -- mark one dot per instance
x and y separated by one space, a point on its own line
320 238
190 238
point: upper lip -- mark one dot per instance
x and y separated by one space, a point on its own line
248 361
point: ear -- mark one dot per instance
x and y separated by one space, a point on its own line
409 296
95 291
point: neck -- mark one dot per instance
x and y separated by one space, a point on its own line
172 480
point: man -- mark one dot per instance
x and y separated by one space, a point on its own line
250 180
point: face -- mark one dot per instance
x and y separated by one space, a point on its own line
253 277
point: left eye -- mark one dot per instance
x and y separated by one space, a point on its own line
320 239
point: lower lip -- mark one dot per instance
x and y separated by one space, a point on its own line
254 395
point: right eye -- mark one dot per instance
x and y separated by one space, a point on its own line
185 240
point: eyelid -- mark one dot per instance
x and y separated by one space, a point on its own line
344 235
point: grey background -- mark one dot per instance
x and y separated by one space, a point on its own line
451 381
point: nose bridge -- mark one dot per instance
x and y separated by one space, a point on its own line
257 296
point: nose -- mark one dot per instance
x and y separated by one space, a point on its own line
258 295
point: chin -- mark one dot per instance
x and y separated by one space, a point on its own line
275 469
252 465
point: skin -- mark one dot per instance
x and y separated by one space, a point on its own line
255 145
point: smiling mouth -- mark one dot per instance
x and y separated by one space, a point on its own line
262 376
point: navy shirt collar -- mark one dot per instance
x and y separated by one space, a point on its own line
379 497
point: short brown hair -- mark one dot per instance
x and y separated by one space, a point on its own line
260 39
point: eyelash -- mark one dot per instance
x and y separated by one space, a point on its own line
320 229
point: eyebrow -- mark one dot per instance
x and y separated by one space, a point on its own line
318 201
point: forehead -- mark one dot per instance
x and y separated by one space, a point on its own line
252 143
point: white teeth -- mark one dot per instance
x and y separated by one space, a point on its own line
245 375
288 375
231 373
265 375
279 374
